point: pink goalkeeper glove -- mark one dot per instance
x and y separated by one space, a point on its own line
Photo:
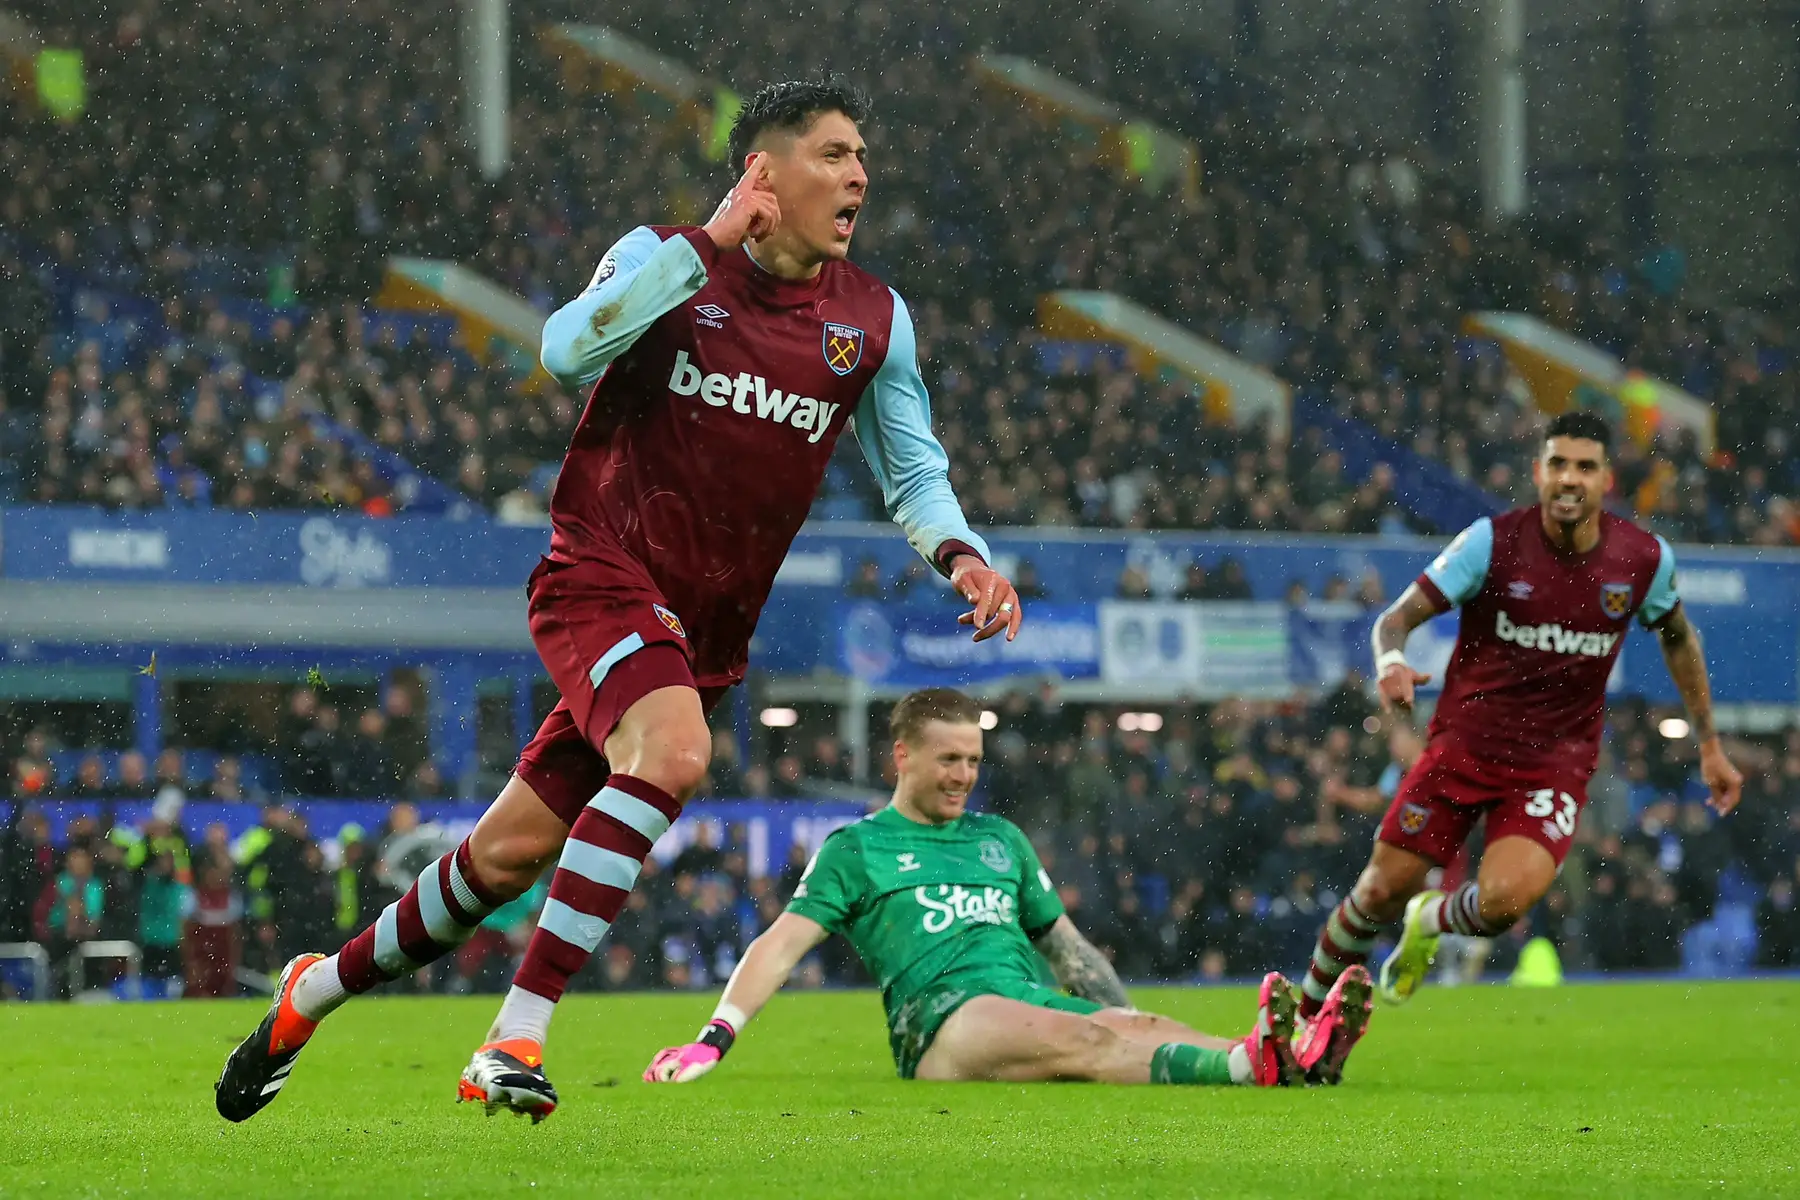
682 1064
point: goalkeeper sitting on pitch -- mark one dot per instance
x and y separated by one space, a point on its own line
958 922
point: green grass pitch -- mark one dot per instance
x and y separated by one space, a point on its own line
1619 1090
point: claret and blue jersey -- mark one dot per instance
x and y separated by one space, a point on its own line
718 393
1541 629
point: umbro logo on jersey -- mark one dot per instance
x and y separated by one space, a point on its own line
908 862
712 315
1554 638
1519 589
752 395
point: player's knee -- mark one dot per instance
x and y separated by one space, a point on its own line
1089 1051
1379 896
1502 906
509 863
673 760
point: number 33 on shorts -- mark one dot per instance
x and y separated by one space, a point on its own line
1545 802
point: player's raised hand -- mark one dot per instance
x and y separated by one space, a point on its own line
995 599
1724 781
682 1064
1396 687
749 211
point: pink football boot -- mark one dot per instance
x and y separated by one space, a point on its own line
1272 1060
1342 1020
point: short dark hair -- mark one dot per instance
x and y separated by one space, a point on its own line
791 105
1582 424
918 709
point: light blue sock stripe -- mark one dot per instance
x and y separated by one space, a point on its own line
575 928
598 865
629 810
440 926
387 942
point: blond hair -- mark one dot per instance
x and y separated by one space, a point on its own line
918 709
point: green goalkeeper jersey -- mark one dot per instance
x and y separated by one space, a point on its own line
934 911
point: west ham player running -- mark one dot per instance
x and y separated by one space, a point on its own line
958 922
1545 593
725 361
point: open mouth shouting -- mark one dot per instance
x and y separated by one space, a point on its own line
845 221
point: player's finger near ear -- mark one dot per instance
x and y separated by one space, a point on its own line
753 172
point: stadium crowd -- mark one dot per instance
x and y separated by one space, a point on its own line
1211 845
1343 266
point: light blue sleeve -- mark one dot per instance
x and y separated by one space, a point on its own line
1462 568
893 426
1662 597
640 278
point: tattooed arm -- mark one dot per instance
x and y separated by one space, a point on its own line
1394 677
1079 966
1687 667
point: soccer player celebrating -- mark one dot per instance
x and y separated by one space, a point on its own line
724 363
959 924
1545 593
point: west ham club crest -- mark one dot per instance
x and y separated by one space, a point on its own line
670 621
843 347
1615 600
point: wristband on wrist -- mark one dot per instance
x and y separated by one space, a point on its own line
718 1035
1391 658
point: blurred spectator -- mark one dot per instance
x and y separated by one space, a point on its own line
32 773
226 782
828 763
701 856
162 898
367 769
77 906
90 780
211 941
789 780
1026 582
724 771
1194 584
1778 927
866 584
134 781
1134 584
27 862
425 783
408 740
171 771
1229 582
